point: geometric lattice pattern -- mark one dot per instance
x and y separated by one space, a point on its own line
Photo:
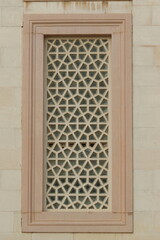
77 127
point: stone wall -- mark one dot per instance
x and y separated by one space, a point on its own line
146 113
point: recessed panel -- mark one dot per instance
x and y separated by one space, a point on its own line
77 129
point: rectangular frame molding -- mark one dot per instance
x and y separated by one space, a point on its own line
34 217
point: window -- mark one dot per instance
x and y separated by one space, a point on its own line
77 119
77 145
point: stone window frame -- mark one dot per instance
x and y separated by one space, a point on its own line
36 27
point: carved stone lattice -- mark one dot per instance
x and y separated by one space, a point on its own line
77 124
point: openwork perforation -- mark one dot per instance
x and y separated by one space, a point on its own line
77 129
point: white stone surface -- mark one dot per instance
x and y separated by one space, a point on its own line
94 236
156 182
143 56
143 223
10 3
156 222
10 138
10 201
17 222
10 180
147 139
11 57
16 236
10 117
143 202
147 117
142 2
142 236
10 37
142 15
143 181
119 7
11 158
11 16
146 96
157 56
155 15
146 158
146 35
10 97
146 75
6 222
50 236
10 76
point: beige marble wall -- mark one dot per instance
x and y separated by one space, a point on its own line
146 112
